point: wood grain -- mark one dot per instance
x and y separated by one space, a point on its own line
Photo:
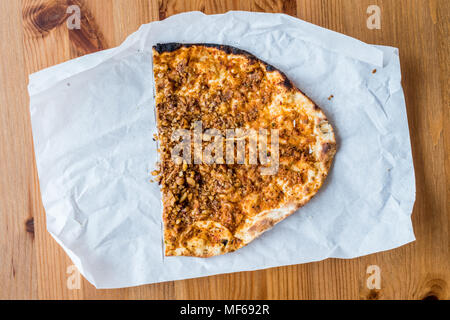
34 35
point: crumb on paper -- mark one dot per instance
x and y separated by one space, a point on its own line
374 71
330 97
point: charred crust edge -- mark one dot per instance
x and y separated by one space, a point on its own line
326 147
327 153
173 46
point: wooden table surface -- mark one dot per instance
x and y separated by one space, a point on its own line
34 35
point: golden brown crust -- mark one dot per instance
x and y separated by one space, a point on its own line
218 208
173 46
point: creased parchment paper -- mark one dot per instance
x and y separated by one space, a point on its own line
93 122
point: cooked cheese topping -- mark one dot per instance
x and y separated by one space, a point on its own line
218 208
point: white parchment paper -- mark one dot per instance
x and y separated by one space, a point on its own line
93 122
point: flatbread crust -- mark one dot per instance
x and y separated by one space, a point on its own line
213 209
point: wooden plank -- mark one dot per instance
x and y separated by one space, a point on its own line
34 35
17 197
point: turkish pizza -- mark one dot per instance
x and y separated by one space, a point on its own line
241 148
